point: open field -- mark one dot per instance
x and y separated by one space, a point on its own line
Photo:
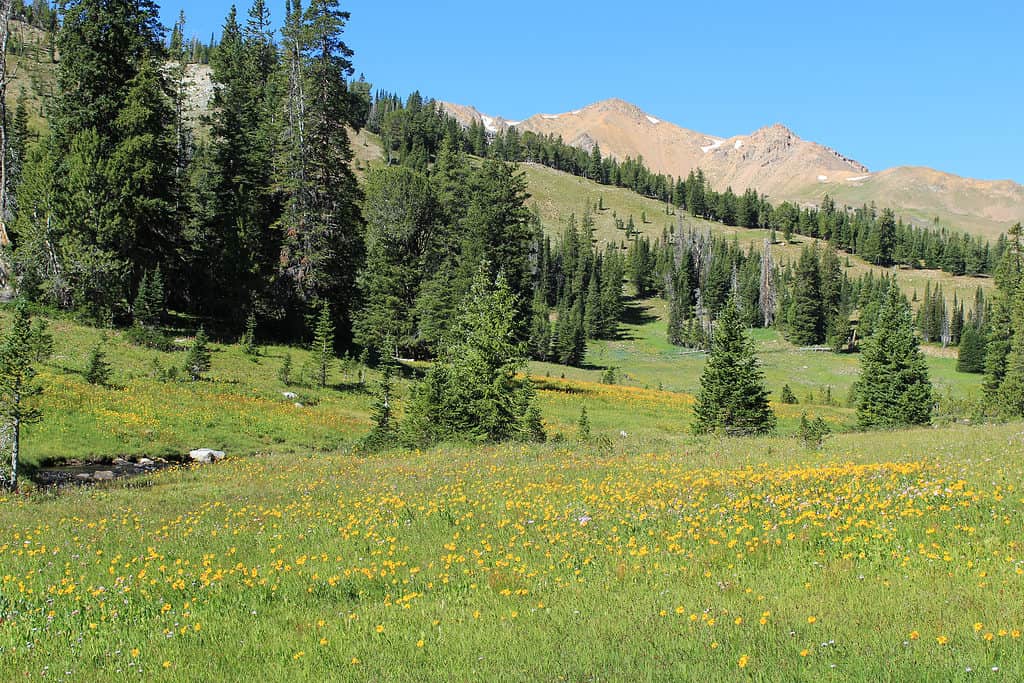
642 553
890 556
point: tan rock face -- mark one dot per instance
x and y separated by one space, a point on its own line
777 162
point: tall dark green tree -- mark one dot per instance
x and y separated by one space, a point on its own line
894 388
102 45
733 398
496 230
240 249
321 221
141 171
806 318
402 250
971 354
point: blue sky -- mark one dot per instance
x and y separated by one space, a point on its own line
937 83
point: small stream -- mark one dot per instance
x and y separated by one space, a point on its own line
84 473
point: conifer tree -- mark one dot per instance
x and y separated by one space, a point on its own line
971 354
323 344
321 222
733 397
806 322
894 388
197 362
249 345
17 386
98 370
284 373
767 298
148 308
383 412
583 426
403 248
472 391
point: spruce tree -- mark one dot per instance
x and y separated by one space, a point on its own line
197 362
404 246
1011 391
894 388
583 426
383 412
807 322
17 386
323 344
733 398
147 310
98 370
971 354
249 345
321 221
473 391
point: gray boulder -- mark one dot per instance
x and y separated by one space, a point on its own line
206 456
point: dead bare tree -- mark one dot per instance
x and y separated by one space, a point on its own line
767 297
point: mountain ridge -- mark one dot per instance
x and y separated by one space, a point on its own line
775 161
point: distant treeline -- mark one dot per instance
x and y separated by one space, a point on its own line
412 132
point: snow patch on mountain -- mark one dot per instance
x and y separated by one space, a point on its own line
715 144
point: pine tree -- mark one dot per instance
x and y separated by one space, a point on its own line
240 249
148 308
472 391
17 386
732 397
383 412
249 345
767 298
98 370
1011 390
971 354
806 323
323 344
787 395
321 221
583 426
403 248
197 362
894 388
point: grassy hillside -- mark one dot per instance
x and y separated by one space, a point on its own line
32 72
557 195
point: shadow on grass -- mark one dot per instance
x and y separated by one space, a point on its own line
636 314
551 385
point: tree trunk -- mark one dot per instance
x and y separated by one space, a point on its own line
15 443
5 15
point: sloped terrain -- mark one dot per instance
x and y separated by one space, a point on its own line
776 162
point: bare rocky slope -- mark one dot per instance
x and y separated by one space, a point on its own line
777 162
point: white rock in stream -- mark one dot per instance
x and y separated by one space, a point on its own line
206 455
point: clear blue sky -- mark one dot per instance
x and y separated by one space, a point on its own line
936 83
